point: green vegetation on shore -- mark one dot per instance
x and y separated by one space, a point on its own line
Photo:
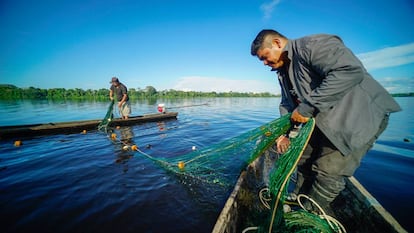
410 94
8 92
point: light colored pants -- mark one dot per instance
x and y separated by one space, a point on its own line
125 109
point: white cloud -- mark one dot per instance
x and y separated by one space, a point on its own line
388 57
383 58
398 84
268 8
209 84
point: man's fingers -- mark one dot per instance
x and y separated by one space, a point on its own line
282 144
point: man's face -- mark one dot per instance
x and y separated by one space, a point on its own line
271 56
115 83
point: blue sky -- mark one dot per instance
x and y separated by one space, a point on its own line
190 45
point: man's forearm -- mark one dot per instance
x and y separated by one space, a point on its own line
124 98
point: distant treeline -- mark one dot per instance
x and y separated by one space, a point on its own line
411 94
12 92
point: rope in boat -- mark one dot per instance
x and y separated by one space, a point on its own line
333 223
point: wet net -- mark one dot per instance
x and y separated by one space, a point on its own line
221 164
300 220
103 125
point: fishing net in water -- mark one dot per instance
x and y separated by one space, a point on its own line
103 125
220 165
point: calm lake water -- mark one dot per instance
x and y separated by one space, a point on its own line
87 183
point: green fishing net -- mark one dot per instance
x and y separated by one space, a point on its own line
103 125
221 164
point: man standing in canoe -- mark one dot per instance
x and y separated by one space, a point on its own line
321 78
121 93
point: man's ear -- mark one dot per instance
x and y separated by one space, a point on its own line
277 42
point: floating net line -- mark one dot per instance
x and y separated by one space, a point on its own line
220 164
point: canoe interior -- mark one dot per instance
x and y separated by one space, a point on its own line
7 132
355 208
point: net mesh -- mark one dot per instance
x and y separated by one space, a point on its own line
296 221
220 165
279 177
103 125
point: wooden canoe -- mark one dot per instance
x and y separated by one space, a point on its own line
355 208
7 132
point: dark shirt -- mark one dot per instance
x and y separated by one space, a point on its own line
120 91
287 84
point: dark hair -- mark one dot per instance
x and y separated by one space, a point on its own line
260 38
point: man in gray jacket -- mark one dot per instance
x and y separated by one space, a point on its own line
321 78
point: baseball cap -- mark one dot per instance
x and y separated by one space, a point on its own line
114 79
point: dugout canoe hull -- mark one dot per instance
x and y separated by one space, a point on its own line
355 208
18 131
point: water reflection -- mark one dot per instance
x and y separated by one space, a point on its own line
126 134
126 142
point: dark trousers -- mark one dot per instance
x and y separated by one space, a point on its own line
322 168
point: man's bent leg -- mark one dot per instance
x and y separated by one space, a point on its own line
332 167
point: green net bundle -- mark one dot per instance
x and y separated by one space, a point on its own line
302 221
285 166
108 118
295 221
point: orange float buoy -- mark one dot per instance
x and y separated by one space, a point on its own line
181 165
18 143
134 147
84 131
113 136
268 134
